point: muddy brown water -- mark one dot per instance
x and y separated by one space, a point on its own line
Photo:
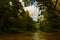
31 36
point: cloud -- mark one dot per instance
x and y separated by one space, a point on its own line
33 12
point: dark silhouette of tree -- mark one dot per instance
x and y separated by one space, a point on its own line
51 15
13 18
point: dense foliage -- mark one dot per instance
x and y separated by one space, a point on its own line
51 22
13 18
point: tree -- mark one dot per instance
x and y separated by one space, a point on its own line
52 16
13 18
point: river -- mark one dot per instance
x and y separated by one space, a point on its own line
31 36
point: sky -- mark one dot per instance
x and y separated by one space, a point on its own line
33 10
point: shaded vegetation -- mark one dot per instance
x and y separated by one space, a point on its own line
13 18
51 22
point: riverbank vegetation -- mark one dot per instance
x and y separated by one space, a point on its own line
51 22
14 19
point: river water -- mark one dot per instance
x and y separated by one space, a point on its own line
31 36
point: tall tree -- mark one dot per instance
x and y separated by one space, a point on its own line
13 18
51 16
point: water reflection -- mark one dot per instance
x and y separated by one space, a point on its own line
31 36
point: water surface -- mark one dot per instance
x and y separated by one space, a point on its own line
31 36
